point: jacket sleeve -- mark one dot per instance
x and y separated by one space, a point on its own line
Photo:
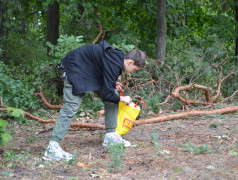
111 74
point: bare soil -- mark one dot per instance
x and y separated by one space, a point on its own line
190 148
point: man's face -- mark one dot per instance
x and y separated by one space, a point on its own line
130 67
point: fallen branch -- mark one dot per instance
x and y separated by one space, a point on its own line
73 124
209 99
176 95
41 94
157 119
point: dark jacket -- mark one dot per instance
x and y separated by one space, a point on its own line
94 67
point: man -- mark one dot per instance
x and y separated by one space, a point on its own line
93 67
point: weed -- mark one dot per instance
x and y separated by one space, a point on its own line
73 178
209 116
72 161
233 153
7 173
168 157
178 170
155 138
4 135
197 150
186 117
116 151
213 125
30 139
8 155
80 133
168 127
100 134
46 173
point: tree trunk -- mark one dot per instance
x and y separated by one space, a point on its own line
2 19
161 37
236 17
3 28
23 20
52 24
185 13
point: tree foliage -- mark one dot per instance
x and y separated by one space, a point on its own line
199 32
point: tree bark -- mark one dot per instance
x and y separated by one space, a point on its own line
52 24
3 28
161 37
23 20
157 119
236 17
185 13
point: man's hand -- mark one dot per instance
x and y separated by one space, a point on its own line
119 86
126 99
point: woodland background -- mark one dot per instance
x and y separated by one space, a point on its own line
187 42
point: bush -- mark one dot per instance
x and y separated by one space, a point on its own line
4 135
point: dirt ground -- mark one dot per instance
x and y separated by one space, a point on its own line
191 148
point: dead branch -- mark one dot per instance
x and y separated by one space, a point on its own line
43 98
236 92
176 95
78 125
73 124
157 119
100 34
209 99
166 100
219 85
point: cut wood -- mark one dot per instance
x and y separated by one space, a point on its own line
157 119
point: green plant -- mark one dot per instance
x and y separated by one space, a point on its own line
213 125
115 154
6 173
233 153
18 115
197 150
155 138
16 93
65 45
30 139
4 134
8 155
73 178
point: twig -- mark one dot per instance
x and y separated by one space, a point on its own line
230 96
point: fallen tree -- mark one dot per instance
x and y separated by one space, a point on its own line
225 110
157 119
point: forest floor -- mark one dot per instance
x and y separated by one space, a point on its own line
190 148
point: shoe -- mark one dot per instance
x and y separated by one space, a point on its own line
114 138
54 152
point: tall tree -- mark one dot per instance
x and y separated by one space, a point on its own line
3 28
236 17
161 37
23 20
52 24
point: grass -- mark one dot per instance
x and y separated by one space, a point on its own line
203 149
